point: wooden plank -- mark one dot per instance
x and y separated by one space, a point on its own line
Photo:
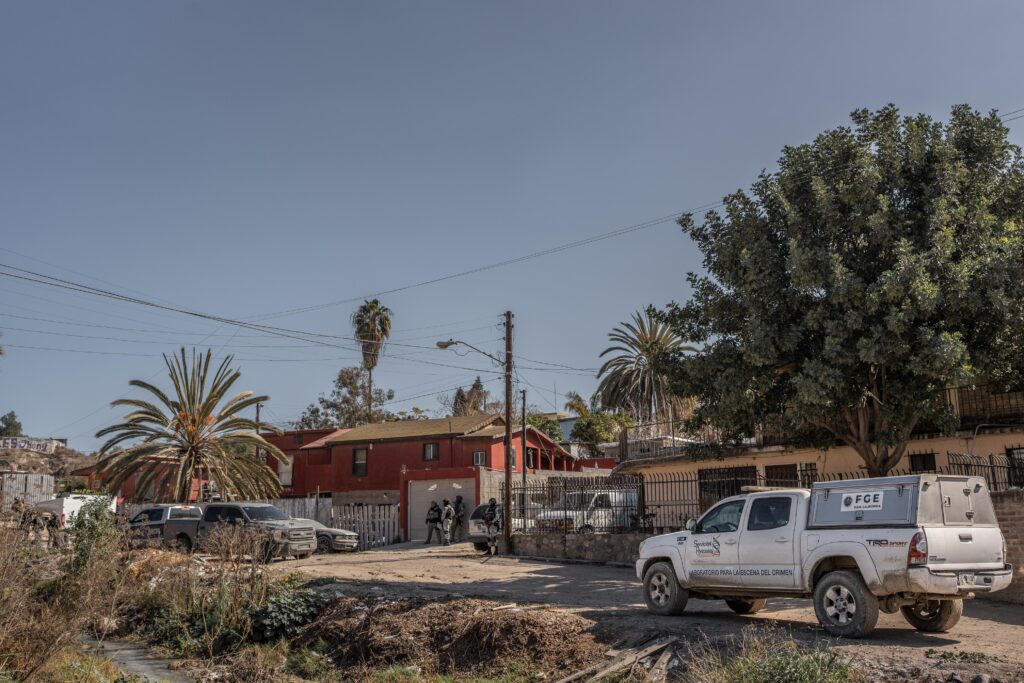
659 671
631 658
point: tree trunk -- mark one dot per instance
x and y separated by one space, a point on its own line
369 396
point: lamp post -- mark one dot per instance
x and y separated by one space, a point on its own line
506 525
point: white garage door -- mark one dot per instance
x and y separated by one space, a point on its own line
422 492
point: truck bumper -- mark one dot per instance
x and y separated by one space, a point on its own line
924 580
297 548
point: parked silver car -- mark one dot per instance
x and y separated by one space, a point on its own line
332 540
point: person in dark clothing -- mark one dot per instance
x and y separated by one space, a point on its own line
459 523
492 519
433 521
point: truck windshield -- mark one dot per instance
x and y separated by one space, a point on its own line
264 513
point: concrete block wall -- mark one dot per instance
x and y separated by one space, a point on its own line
598 548
1009 506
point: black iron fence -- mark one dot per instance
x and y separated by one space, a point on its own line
662 502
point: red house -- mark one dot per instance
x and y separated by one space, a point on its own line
413 462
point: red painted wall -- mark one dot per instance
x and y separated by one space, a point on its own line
331 469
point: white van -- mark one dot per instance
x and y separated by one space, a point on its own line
589 511
66 507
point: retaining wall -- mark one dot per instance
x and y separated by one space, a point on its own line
597 548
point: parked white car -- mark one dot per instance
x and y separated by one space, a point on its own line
66 507
589 511
918 545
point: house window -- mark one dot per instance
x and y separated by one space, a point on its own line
431 451
359 462
722 482
513 463
922 462
781 475
480 458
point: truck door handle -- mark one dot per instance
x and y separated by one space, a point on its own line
729 541
782 540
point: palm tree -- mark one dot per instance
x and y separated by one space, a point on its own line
192 434
372 323
631 378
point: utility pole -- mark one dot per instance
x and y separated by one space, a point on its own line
507 525
522 501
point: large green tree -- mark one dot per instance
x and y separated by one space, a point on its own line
346 406
10 425
194 432
594 425
880 264
372 325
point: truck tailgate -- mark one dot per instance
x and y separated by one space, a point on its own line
966 547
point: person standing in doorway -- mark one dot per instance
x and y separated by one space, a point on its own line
447 516
433 522
459 525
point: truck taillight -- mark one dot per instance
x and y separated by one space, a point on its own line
918 553
62 519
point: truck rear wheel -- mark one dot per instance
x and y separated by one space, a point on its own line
934 616
183 543
662 591
844 605
746 606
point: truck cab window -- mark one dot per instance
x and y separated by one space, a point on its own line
722 519
769 513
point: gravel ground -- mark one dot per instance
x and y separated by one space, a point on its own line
989 640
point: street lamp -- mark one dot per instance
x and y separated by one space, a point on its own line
506 525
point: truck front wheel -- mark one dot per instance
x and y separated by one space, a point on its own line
662 591
746 606
934 616
844 605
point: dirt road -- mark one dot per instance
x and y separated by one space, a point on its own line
988 640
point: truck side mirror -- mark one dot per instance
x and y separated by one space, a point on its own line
690 523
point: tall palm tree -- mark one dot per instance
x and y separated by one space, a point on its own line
191 434
372 324
631 378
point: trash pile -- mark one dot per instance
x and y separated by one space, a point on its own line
453 635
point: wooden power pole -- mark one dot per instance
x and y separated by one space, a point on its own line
507 525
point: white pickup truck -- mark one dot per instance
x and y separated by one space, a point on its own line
916 544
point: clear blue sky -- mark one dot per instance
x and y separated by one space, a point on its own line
241 158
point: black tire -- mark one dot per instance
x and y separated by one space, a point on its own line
480 547
844 605
323 543
662 591
934 616
183 543
746 606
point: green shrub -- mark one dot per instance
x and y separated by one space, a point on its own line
287 610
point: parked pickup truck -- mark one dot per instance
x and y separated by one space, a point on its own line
286 536
149 525
918 545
